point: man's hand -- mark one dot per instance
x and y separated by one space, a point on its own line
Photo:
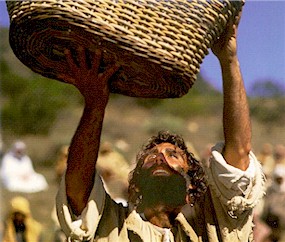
225 48
85 76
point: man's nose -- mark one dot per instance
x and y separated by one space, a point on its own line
160 159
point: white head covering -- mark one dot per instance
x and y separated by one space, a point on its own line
279 171
19 145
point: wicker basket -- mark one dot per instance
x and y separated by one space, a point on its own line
160 44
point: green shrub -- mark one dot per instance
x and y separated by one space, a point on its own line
268 111
32 104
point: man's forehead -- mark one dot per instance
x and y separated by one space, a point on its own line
166 146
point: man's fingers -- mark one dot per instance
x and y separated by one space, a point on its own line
237 18
110 71
65 78
96 60
69 59
82 57
82 74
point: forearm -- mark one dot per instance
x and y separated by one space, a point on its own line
236 119
84 147
82 157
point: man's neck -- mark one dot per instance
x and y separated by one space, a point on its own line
161 216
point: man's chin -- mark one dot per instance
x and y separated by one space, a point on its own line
163 189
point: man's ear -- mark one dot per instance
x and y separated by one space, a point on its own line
133 193
188 198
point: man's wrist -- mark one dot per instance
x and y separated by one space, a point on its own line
95 101
229 61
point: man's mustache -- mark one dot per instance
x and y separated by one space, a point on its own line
164 166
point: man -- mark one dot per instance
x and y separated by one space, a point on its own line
169 199
19 225
17 171
273 213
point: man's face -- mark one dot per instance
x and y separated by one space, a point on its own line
164 158
161 180
19 153
19 221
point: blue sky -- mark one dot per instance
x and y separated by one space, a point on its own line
261 44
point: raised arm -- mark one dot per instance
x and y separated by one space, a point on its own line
84 147
236 119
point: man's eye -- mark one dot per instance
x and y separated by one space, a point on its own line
173 155
151 157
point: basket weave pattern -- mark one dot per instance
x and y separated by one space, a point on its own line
159 44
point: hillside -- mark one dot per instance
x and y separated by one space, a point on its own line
33 107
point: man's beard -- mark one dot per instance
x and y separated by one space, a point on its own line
162 190
19 226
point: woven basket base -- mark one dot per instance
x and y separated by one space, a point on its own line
40 44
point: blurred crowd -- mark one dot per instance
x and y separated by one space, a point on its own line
17 171
269 215
19 176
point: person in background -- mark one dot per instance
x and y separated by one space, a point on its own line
273 213
17 171
61 162
19 225
279 154
114 170
60 167
206 153
266 159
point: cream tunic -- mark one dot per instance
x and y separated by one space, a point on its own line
224 213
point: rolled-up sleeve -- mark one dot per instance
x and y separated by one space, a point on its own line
236 189
83 227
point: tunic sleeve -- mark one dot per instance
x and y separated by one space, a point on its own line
81 227
234 194
238 190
